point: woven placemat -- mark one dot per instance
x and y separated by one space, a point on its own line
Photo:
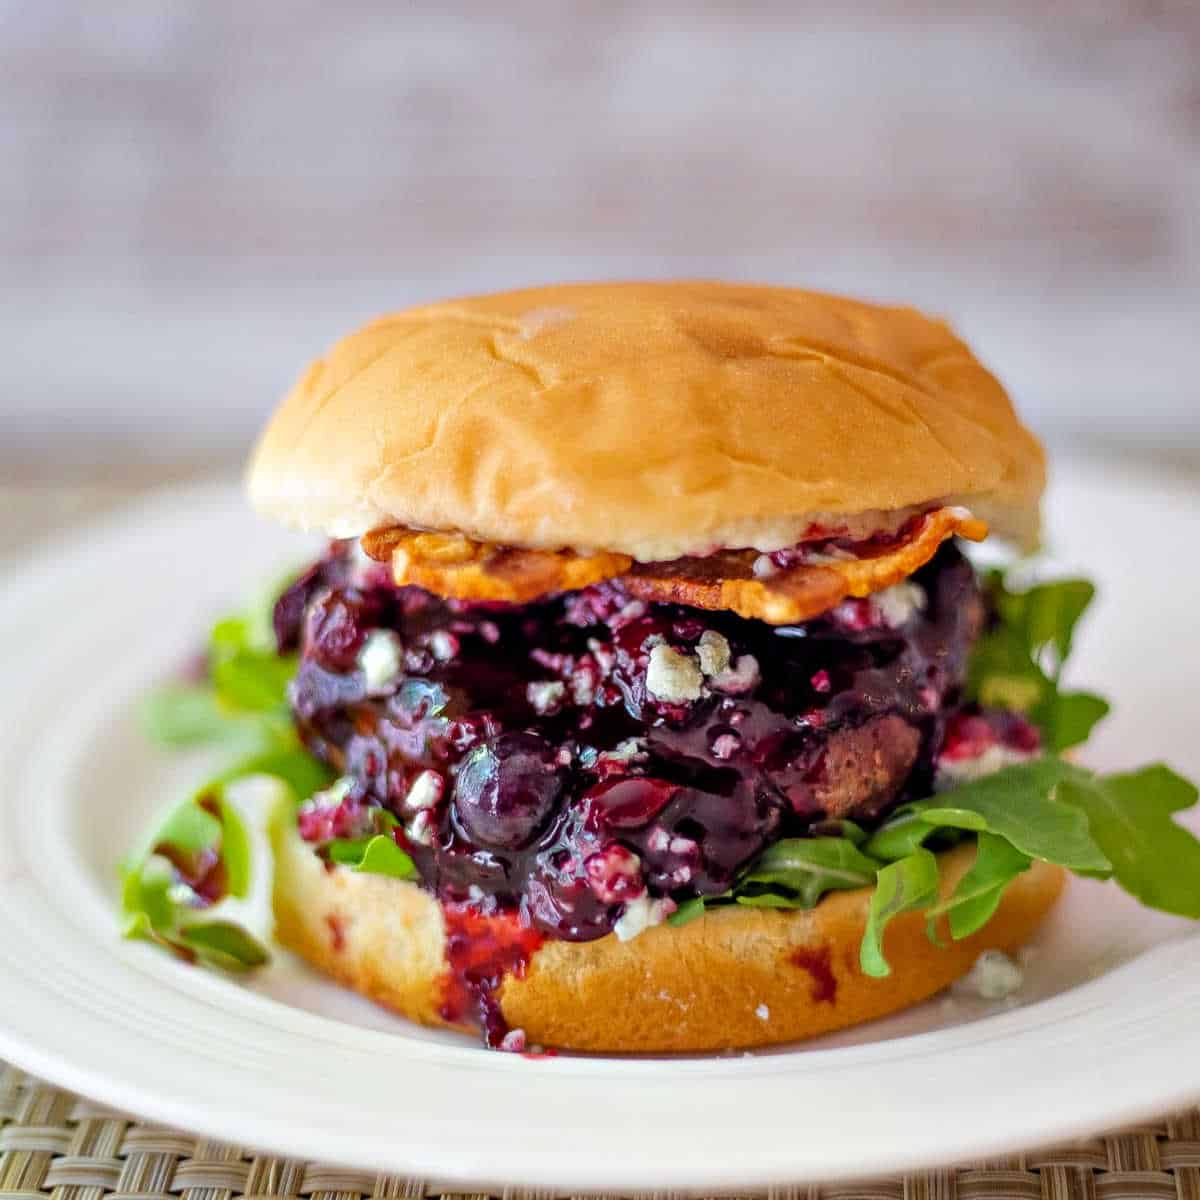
55 1144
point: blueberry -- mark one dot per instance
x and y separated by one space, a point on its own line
287 617
506 790
336 625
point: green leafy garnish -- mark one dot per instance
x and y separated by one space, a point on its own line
224 944
688 910
201 853
1017 803
146 897
1069 717
797 872
843 829
1045 809
1101 826
902 886
235 848
289 763
1017 664
192 829
184 715
242 705
248 675
903 834
1129 815
974 901
375 853
159 896
253 682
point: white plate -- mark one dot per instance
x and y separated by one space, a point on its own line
294 1065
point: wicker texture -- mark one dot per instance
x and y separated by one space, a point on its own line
53 1144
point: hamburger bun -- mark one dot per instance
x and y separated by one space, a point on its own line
735 977
654 420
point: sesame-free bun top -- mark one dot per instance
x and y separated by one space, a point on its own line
650 419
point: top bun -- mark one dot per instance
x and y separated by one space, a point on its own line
651 419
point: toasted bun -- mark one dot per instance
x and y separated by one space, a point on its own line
735 977
655 420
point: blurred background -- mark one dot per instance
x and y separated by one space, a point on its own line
197 196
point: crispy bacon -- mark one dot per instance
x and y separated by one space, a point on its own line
806 589
458 568
781 589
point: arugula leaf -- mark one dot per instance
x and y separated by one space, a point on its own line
903 833
146 896
158 893
207 824
191 828
183 715
902 886
1017 803
244 709
1001 673
1129 814
229 636
793 873
1097 825
348 852
750 897
290 764
235 850
180 717
224 944
1018 663
248 674
377 855
1068 718
244 703
1046 614
688 910
374 853
840 829
251 681
974 901
803 870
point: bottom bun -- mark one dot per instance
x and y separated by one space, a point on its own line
735 977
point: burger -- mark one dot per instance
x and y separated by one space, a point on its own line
645 698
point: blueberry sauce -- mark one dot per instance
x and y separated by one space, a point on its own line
481 952
574 761
816 961
970 734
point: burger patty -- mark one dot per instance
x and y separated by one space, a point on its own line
865 768
591 757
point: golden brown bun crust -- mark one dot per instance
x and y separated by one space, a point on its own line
704 986
651 419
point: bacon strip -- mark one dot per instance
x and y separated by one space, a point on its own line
727 579
458 568
780 589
